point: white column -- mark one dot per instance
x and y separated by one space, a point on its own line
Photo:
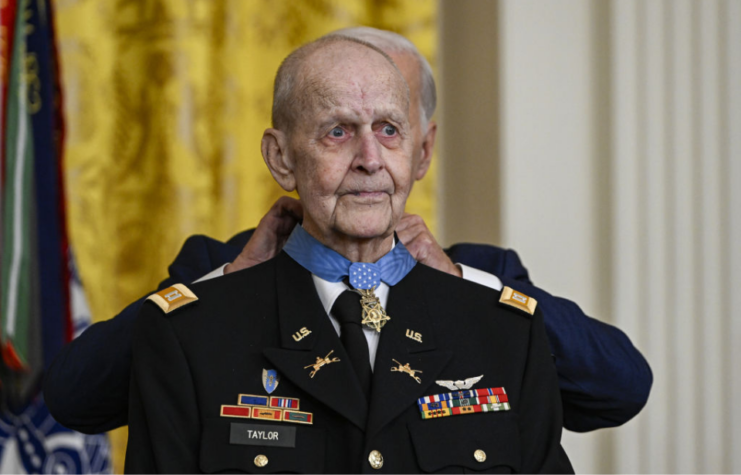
730 19
620 176
676 213
626 169
549 135
682 148
672 199
712 283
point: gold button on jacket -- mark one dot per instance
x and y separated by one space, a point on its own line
261 461
376 459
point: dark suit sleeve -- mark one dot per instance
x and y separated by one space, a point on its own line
164 426
540 409
604 379
87 385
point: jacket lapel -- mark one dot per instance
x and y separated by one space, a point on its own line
394 391
334 384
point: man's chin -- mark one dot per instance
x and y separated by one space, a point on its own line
364 226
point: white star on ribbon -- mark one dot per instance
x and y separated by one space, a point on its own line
361 275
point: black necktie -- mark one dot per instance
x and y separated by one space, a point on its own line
348 312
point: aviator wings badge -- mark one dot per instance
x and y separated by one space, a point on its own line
458 385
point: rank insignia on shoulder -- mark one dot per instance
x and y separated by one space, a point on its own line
518 300
172 298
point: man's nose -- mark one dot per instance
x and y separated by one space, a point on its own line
368 155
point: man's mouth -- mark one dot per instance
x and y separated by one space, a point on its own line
367 196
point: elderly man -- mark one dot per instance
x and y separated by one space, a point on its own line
604 380
248 372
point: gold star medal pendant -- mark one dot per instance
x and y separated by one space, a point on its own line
374 316
366 278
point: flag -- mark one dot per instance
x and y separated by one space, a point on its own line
35 277
39 287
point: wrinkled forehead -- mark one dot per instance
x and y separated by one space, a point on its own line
352 78
364 98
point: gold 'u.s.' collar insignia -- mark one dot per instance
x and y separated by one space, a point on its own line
518 300
172 298
416 336
301 334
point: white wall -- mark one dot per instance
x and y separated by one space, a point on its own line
550 170
618 164
675 132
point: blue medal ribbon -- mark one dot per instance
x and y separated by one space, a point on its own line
333 267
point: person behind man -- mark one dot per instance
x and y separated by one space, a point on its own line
271 367
604 380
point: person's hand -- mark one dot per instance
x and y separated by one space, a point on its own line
422 245
271 234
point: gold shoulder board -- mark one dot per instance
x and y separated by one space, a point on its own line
518 300
172 298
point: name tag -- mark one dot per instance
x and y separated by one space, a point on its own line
265 435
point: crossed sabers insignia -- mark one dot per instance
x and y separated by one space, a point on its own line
320 362
406 369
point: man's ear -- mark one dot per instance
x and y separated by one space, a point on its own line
428 145
277 157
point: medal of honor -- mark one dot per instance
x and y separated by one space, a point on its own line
374 316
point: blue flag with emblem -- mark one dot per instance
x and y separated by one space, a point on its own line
41 299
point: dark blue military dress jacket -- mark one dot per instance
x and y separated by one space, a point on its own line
188 364
604 380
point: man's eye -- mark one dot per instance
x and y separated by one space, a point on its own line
337 132
389 130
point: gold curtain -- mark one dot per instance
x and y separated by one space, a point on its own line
165 104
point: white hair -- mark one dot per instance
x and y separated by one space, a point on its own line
389 41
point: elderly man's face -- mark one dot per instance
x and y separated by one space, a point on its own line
409 68
423 138
351 149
